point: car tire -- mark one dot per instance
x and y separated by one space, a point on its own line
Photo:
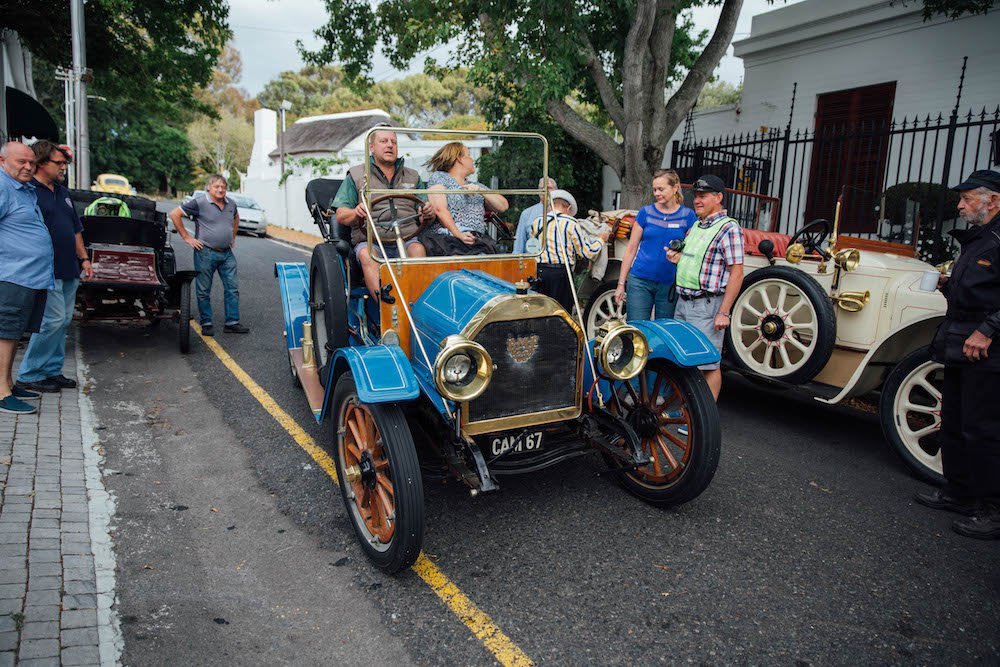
658 405
911 415
375 453
601 307
184 318
783 326
327 306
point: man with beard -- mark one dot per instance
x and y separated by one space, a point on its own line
387 172
970 444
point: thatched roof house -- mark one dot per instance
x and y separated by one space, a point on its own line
330 133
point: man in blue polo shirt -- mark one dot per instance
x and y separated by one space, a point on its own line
216 220
25 267
41 367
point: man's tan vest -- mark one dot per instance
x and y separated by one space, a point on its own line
403 179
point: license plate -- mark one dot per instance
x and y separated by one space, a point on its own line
516 443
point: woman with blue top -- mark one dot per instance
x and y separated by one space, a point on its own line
461 226
649 275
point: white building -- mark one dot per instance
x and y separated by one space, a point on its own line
340 136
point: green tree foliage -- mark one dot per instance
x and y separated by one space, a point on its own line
415 100
154 156
619 56
223 93
220 144
149 52
954 9
719 93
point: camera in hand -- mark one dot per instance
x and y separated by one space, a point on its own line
676 245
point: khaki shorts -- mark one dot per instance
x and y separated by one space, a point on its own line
701 313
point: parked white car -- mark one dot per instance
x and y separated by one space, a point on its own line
838 317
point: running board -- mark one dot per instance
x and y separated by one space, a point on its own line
309 377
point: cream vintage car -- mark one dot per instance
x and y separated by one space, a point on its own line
838 317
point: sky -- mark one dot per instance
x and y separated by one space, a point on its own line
265 34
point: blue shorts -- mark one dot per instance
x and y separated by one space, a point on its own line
21 310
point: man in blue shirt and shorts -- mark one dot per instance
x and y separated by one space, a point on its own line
25 267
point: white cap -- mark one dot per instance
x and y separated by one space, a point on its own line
566 196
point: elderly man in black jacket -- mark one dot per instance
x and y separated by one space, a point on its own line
970 419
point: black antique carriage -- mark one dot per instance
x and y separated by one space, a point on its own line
135 270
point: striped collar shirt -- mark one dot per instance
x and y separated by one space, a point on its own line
563 240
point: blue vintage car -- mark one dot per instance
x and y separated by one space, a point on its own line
461 366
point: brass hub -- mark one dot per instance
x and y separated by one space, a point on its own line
772 328
644 422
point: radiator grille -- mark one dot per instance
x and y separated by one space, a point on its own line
544 381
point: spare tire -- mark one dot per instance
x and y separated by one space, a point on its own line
327 306
783 326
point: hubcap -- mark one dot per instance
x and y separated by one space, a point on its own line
644 422
368 478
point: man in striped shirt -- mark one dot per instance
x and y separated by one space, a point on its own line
563 242
709 270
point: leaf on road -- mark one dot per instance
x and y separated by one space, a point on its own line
821 488
214 509
147 566
4 460
661 567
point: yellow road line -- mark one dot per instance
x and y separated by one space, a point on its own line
493 638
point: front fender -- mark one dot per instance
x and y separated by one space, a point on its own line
382 373
678 342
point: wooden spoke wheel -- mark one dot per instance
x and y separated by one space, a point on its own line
379 478
672 411
910 413
783 326
602 307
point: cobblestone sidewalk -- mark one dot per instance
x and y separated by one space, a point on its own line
56 596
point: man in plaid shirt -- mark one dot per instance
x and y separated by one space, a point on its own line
709 270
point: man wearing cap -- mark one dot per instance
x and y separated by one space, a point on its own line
563 243
970 429
709 270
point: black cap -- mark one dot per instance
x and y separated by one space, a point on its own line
709 183
984 178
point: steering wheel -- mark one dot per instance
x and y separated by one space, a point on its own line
812 236
388 216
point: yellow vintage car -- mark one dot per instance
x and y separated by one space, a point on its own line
112 183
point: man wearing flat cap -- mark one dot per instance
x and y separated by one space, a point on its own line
970 427
709 270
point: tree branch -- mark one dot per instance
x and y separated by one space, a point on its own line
635 65
608 96
587 134
687 94
661 42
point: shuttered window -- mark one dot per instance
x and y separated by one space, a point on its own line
850 151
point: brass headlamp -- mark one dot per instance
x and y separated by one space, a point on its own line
463 369
622 350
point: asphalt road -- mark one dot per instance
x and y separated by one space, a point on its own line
807 547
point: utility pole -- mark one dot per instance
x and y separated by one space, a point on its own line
81 77
69 106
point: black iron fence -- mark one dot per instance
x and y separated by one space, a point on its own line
893 176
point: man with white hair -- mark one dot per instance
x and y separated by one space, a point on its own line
25 267
528 216
970 429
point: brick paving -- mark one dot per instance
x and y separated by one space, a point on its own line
55 596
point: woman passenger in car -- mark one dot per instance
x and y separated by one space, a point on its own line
650 276
461 227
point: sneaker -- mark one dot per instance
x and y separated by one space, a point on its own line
208 330
63 381
236 328
985 525
939 499
16 406
23 394
45 386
